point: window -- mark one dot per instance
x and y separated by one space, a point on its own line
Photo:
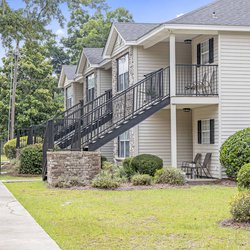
206 131
123 78
123 145
90 87
68 98
205 52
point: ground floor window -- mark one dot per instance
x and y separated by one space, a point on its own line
123 145
206 131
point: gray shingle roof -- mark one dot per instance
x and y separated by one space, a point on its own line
94 55
227 12
133 31
69 71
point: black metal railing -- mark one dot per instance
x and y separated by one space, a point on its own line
196 80
127 104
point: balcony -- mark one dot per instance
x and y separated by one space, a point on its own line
196 80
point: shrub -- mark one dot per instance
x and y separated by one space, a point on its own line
106 180
128 170
141 179
146 164
235 152
243 177
31 159
169 175
240 207
9 147
103 159
69 181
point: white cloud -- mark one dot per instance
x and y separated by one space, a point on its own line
179 15
61 33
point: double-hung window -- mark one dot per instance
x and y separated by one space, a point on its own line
90 88
205 52
123 145
68 98
122 74
206 131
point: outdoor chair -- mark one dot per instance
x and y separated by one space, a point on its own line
203 87
187 166
199 170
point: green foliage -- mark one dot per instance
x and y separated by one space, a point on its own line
128 170
169 175
9 147
86 30
141 179
31 159
106 180
103 159
240 207
235 152
146 164
69 181
243 177
37 96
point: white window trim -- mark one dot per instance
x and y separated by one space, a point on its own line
123 140
124 71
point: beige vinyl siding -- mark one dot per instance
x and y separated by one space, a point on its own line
205 113
155 136
201 39
118 44
104 80
154 133
235 83
77 92
156 57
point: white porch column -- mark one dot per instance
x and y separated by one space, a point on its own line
173 136
172 64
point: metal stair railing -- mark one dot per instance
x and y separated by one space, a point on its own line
128 104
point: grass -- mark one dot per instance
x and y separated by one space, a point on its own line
11 177
145 219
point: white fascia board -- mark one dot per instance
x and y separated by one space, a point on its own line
194 100
191 29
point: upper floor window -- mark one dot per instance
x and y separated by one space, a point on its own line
123 145
205 52
90 87
68 98
123 76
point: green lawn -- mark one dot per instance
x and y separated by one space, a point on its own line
150 219
11 177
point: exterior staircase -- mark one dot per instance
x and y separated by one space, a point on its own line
93 124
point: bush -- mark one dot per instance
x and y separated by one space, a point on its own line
128 170
69 181
103 159
240 207
243 177
141 179
9 147
31 159
106 180
146 164
169 175
235 152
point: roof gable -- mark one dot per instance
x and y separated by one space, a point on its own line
220 12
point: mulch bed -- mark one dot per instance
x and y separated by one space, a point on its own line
234 224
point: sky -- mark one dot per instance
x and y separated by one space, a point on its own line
143 11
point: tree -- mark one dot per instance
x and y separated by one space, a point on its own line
85 30
37 96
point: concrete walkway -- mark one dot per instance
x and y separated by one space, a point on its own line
18 230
